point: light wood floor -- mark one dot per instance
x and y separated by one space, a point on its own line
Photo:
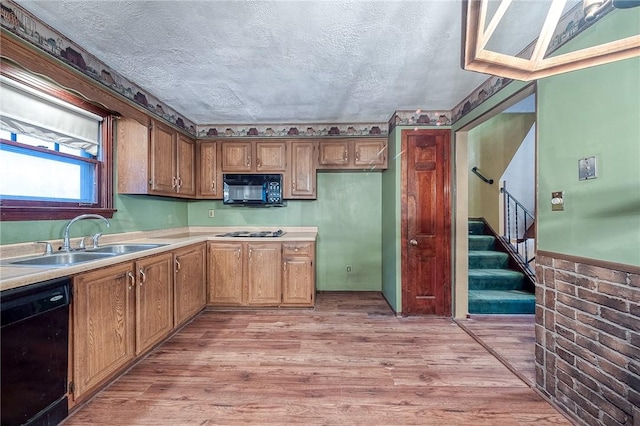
351 361
510 337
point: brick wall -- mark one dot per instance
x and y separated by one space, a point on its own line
588 340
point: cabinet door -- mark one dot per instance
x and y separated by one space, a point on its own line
333 153
189 284
103 325
371 154
185 173
271 157
154 300
225 274
208 178
236 156
303 171
264 277
133 156
162 158
298 283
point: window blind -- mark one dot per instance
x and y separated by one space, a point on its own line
27 111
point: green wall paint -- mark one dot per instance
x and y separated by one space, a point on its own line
391 220
592 112
135 213
491 146
347 214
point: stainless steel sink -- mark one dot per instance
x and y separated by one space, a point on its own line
123 248
59 259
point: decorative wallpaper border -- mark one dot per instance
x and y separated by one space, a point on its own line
29 28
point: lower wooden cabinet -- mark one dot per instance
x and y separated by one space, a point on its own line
298 274
103 327
119 312
189 282
268 274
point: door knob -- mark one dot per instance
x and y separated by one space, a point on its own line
413 242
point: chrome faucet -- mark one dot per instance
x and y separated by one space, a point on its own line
66 244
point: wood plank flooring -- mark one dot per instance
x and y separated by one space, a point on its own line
510 337
350 361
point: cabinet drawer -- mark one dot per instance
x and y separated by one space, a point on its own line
289 249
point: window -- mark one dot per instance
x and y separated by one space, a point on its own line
55 152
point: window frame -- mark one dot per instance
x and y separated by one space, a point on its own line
23 210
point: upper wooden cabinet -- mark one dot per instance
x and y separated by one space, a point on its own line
209 175
301 179
156 160
353 154
255 156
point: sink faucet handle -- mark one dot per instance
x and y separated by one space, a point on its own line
81 245
48 249
95 238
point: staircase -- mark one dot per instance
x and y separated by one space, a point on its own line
493 287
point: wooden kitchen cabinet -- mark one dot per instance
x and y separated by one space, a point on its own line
254 156
353 154
103 326
263 274
189 282
226 274
298 274
154 300
302 173
154 160
209 182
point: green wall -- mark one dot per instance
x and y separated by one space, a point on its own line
347 214
391 221
592 112
491 147
135 213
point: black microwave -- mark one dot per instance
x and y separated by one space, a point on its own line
257 190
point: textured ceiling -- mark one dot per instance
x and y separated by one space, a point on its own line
257 62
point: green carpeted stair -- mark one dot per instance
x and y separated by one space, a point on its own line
493 288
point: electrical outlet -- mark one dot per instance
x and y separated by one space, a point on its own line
212 213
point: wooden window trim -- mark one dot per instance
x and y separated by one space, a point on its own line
15 210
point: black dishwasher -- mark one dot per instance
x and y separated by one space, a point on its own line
34 337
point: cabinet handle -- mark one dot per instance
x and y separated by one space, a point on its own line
132 280
250 252
344 155
358 155
213 185
238 253
179 182
143 277
284 266
174 182
177 265
259 162
293 185
248 161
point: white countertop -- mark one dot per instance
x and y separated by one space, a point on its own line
18 276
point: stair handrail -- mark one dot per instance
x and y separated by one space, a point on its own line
521 248
484 179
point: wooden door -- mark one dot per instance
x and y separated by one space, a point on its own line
225 274
103 325
189 283
333 153
264 278
209 180
371 154
186 150
162 160
154 300
271 157
236 156
303 172
426 223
